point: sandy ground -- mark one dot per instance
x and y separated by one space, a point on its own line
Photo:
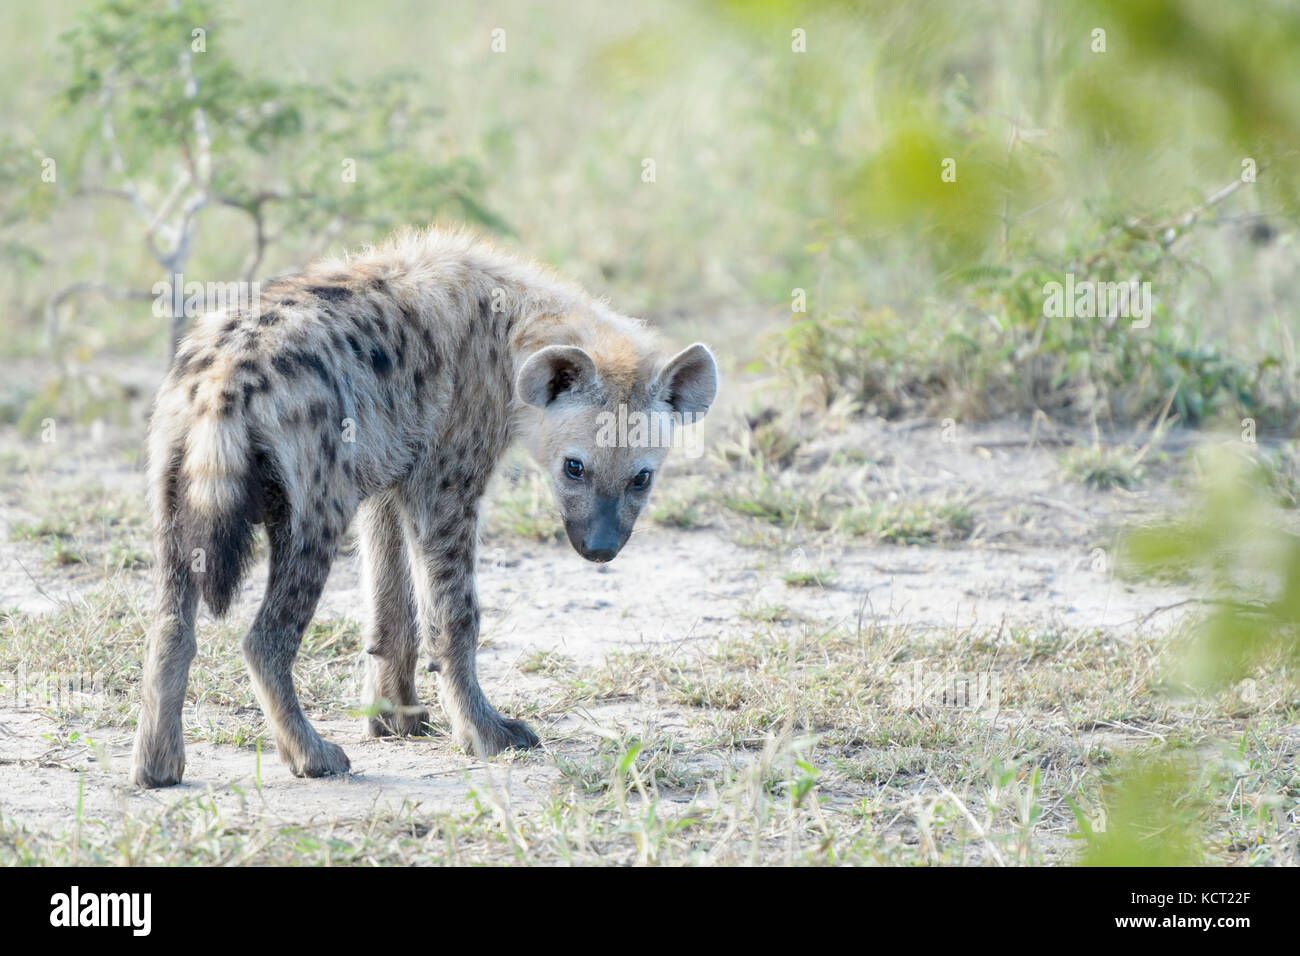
1038 556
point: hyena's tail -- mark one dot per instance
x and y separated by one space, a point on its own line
208 500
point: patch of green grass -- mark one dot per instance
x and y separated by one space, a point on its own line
780 499
660 761
809 578
685 510
124 557
832 501
684 506
772 504
80 398
1281 474
88 525
62 553
545 662
101 637
987 351
1105 468
912 522
766 614
619 677
852 455
243 731
688 516
43 529
521 505
767 441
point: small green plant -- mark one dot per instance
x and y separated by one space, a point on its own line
63 552
912 522
780 499
522 506
809 578
1105 468
767 614
545 662
683 506
768 440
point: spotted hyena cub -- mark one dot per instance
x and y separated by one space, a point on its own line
387 385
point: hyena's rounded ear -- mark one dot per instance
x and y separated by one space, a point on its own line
550 372
689 382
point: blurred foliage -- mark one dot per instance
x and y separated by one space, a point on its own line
1154 815
158 112
1246 549
995 351
799 145
269 136
1245 552
1173 62
1033 107
19 168
1087 138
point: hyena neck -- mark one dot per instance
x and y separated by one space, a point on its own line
527 303
539 307
613 341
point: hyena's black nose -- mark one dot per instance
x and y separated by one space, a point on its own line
601 544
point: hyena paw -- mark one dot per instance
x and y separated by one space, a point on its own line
408 721
159 761
499 734
320 760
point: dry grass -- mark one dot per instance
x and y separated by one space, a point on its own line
799 745
791 739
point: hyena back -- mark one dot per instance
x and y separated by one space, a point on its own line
385 387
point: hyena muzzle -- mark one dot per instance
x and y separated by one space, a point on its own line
385 387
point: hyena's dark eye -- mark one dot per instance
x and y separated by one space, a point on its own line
573 468
642 479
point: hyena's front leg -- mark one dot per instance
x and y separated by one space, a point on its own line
159 759
392 632
442 563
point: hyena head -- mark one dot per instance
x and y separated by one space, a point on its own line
604 429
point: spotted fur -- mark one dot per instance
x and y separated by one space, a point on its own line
384 386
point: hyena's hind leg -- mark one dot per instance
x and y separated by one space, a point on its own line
302 550
392 631
159 757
